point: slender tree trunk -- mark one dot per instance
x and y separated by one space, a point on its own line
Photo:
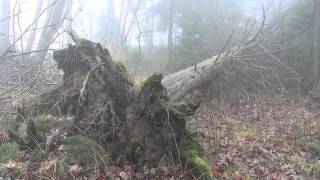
119 27
54 22
126 10
69 21
4 25
110 21
316 39
34 26
170 32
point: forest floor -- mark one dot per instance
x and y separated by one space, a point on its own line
261 138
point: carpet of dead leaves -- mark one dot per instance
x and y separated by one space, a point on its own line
259 137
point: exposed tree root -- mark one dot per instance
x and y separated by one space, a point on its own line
142 128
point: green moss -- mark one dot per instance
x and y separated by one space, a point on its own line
152 78
123 70
193 153
184 108
121 67
8 151
41 123
82 150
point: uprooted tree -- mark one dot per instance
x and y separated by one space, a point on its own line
145 128
148 126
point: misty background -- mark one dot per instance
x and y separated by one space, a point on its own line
137 31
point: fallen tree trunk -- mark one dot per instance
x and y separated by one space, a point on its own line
233 65
182 83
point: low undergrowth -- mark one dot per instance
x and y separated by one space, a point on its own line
8 151
81 150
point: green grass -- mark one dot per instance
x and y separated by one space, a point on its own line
8 151
41 124
82 150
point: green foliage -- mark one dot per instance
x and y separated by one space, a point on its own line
82 150
41 123
8 151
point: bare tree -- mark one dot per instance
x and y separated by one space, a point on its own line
316 39
34 26
4 25
170 30
56 16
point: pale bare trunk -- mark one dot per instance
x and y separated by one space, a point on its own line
315 61
4 25
186 81
54 21
170 33
34 26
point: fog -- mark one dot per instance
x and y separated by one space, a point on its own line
160 89
89 17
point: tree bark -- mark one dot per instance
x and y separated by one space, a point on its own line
184 82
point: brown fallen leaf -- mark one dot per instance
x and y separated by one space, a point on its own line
216 173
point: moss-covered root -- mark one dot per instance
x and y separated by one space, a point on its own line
193 154
122 69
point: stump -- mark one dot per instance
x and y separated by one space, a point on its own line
144 127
